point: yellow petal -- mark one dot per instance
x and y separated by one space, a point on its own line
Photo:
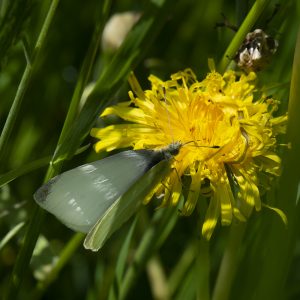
131 114
279 212
211 217
193 195
226 198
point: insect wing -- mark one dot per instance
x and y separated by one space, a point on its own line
79 197
125 206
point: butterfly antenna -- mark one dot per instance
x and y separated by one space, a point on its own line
202 146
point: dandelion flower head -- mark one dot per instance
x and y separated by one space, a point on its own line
228 138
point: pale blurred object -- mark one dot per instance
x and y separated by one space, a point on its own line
117 28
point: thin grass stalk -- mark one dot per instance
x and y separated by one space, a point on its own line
229 263
85 71
31 236
32 233
31 166
202 262
157 279
281 241
64 257
122 262
37 217
12 27
146 249
25 81
186 289
82 81
180 270
246 26
113 76
230 258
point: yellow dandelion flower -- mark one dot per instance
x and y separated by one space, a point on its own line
229 139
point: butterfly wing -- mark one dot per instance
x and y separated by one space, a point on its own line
124 207
79 197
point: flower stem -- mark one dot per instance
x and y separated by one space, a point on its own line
246 26
229 263
25 81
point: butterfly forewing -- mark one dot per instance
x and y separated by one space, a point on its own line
79 197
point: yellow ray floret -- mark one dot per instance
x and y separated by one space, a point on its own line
218 111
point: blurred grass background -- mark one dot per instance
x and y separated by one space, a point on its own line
173 37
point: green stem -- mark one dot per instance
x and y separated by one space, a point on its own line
82 81
85 71
36 219
13 174
147 247
64 257
84 75
229 263
34 225
29 167
114 74
24 256
182 267
281 241
202 264
246 26
25 81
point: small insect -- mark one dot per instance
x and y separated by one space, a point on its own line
79 197
98 197
256 51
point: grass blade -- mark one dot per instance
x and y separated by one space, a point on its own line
127 57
